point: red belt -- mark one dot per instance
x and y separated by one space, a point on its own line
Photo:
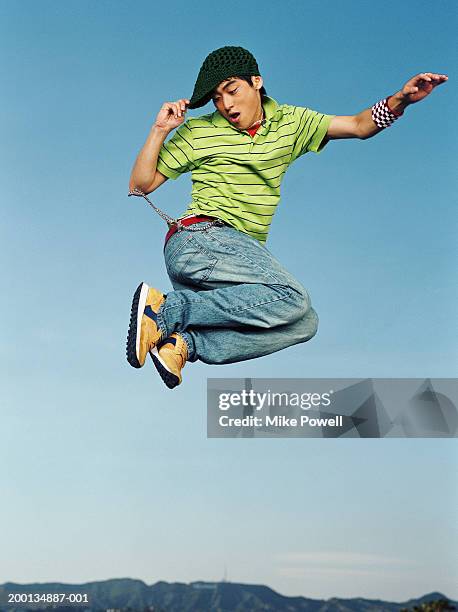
186 222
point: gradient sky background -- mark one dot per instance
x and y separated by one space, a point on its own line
106 473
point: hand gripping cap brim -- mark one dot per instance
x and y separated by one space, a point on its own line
218 66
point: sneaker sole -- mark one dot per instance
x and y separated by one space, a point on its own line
170 379
133 335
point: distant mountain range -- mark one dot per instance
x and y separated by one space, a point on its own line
125 594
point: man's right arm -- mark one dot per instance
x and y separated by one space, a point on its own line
144 175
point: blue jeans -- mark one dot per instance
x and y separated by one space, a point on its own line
232 299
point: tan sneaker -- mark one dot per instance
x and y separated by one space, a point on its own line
143 334
170 359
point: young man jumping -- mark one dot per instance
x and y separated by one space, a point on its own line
232 299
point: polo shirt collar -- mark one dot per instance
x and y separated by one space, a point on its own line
270 107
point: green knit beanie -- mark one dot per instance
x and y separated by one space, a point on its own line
218 66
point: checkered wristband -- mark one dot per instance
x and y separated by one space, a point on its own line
382 115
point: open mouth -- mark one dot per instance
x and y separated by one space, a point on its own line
234 117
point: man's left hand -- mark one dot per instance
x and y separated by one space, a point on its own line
362 125
420 86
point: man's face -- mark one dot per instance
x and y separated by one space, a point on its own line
238 102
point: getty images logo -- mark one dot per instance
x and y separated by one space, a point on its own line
270 399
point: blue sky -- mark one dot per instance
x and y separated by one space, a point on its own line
104 472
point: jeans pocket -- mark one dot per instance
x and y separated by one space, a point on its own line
189 261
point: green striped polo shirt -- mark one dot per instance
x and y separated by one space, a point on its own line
236 177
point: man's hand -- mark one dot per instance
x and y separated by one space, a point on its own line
421 86
171 115
145 175
362 126
417 88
